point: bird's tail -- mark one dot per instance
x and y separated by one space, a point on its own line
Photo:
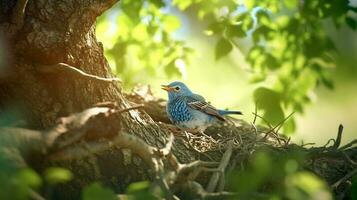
229 112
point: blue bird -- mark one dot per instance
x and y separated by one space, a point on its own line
190 111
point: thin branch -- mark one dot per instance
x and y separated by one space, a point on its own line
345 178
283 121
35 196
353 142
255 112
65 68
131 108
224 162
122 140
338 138
18 14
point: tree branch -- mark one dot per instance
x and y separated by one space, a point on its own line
18 14
221 168
65 68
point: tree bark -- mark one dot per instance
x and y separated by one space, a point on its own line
64 32
56 68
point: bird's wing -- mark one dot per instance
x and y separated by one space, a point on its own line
197 102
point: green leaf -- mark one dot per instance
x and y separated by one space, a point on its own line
158 3
258 77
182 4
95 191
171 69
214 28
271 62
55 175
291 4
171 23
351 23
138 186
289 126
29 177
236 31
223 47
269 101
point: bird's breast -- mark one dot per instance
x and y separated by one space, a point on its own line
178 111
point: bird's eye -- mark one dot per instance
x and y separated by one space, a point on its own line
177 88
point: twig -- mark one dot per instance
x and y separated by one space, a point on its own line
255 112
338 138
284 120
345 178
348 159
130 108
224 162
35 196
63 67
18 14
353 142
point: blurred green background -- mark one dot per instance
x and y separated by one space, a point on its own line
306 61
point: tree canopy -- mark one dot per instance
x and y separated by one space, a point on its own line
285 43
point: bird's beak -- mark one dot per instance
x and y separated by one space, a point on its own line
166 87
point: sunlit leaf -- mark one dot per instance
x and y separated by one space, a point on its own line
223 47
182 4
258 77
171 23
55 175
291 4
29 177
138 186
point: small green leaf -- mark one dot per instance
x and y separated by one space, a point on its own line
138 186
55 175
223 47
95 191
29 177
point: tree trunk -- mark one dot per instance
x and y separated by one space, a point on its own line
55 68
64 32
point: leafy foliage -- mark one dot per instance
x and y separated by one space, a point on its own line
141 43
290 53
283 177
18 184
